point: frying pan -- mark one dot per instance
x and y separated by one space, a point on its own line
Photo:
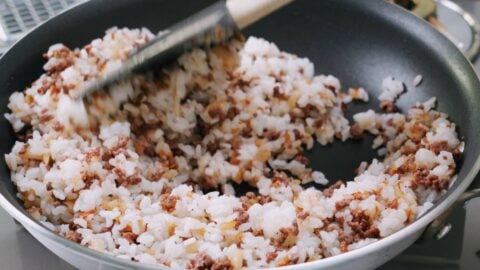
360 42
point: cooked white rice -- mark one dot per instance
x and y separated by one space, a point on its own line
130 178
417 80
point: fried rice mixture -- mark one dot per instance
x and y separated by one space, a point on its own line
147 174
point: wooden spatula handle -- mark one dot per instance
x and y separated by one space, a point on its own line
246 12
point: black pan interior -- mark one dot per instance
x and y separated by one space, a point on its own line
360 42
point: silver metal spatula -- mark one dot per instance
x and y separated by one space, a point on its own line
210 26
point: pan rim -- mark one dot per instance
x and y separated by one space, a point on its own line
409 230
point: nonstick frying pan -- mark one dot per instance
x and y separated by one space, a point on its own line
360 42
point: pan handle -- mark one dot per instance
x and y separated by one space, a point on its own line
472 23
440 227
246 12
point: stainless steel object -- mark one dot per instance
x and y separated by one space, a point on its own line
213 25
451 20
439 227
210 26
19 16
450 14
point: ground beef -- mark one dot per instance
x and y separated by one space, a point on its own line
130 236
437 147
222 264
168 202
328 192
288 260
73 236
201 262
388 106
362 225
123 180
303 215
250 199
285 237
302 159
271 256
417 132
433 181
341 204
356 131
241 218
280 179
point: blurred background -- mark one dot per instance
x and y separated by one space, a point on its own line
458 249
